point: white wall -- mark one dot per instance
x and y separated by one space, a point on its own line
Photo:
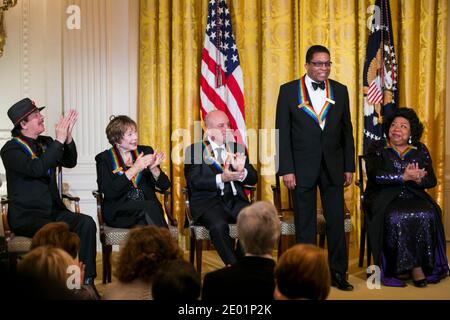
93 70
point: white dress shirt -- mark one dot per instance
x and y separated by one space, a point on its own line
220 184
317 97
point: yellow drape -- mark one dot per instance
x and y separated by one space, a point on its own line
272 39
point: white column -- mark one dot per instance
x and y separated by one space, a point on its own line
99 70
93 70
31 64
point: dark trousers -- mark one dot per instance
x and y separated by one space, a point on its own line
216 220
83 225
305 218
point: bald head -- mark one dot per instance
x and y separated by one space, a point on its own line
215 116
217 124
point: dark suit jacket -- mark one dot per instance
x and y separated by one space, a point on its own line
302 143
250 279
32 188
201 178
118 208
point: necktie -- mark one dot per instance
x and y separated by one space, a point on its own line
227 191
220 155
320 85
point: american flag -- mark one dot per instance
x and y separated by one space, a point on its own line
374 95
380 73
221 83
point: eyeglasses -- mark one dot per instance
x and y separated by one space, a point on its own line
318 64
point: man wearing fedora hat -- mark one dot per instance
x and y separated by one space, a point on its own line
30 160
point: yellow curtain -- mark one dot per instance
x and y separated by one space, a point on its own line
272 39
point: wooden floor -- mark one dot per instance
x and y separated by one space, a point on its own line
357 277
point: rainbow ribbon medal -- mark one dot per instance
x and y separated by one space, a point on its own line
28 149
305 105
210 158
401 155
117 169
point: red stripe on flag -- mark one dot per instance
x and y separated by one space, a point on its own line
212 65
237 93
216 100
230 81
218 46
374 94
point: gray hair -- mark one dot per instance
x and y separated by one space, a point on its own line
258 228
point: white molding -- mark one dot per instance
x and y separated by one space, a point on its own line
133 57
5 134
85 73
25 47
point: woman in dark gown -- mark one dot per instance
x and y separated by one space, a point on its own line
127 175
404 226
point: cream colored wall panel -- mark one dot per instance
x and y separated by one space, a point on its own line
98 81
93 70
86 76
24 68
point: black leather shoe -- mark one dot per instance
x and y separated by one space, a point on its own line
89 282
338 281
420 283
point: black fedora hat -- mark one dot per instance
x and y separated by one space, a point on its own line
22 109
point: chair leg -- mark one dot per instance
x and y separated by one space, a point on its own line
347 243
362 245
13 261
285 242
105 271
199 251
191 249
106 257
280 246
322 240
347 248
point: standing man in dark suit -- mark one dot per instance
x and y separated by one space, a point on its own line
252 277
316 148
30 161
216 171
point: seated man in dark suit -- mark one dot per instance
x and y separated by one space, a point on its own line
251 278
30 161
216 171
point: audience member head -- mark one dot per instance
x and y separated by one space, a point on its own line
176 280
302 272
57 234
258 228
48 266
146 248
403 127
121 129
